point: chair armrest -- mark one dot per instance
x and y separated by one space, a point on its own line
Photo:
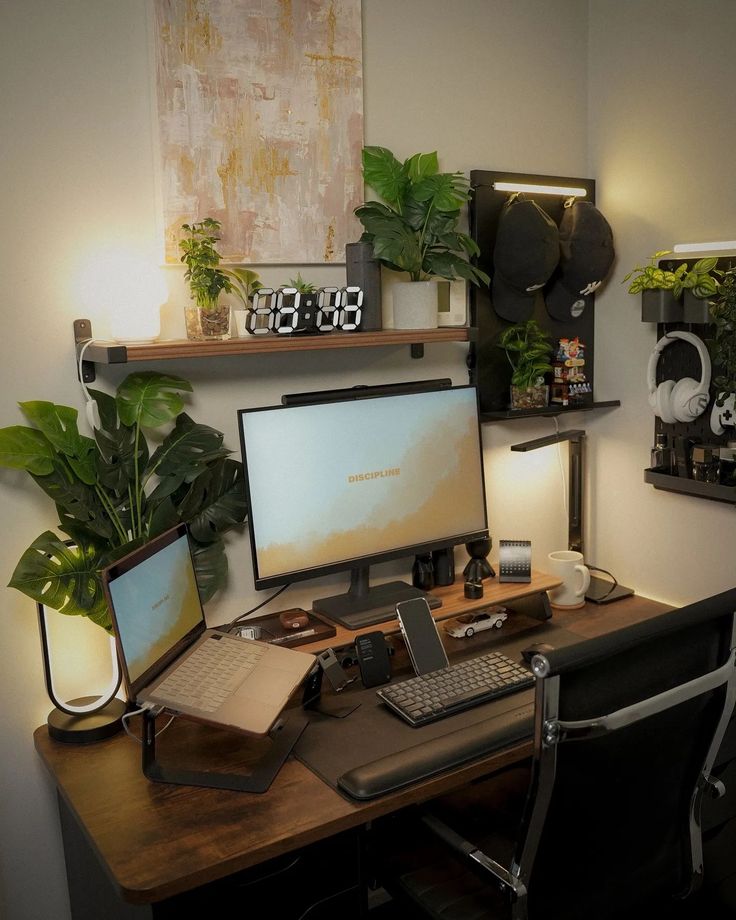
465 848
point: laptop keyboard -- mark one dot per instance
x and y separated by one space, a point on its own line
463 684
210 674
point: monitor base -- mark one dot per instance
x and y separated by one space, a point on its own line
376 605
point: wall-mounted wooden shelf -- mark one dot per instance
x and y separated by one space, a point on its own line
507 415
115 353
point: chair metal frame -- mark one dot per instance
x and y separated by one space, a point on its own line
551 731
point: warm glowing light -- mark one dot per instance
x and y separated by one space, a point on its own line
716 246
567 191
131 289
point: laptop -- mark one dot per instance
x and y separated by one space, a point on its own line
170 658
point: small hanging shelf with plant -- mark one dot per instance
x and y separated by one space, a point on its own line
674 293
528 350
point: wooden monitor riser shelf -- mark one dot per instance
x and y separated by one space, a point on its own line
454 602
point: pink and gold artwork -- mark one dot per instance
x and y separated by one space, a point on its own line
260 107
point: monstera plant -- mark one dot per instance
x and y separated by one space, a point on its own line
114 492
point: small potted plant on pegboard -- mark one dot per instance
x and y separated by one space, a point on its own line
675 294
528 350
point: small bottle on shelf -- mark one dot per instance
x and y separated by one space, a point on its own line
662 457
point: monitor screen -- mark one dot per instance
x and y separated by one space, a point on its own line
343 483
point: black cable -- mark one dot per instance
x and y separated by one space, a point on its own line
614 583
247 613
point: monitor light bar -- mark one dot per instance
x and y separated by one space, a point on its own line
704 247
568 191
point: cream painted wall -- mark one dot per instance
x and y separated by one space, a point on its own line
662 135
498 84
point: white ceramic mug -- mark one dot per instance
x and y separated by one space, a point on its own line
568 566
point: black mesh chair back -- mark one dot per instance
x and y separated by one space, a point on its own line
627 728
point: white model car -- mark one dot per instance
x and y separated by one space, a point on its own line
468 624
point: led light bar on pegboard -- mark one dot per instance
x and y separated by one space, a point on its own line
287 311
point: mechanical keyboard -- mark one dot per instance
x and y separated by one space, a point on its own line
463 684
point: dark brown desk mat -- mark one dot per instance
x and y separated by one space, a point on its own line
372 736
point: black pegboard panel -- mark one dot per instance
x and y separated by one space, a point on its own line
680 359
492 371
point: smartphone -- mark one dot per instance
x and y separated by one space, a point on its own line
421 636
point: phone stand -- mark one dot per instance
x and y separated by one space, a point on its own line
283 736
328 664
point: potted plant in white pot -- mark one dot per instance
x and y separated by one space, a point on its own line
209 318
415 230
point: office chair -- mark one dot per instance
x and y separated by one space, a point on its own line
605 822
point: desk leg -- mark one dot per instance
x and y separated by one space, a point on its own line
91 893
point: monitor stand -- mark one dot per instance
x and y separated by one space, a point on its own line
363 605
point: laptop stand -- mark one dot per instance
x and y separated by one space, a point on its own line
283 735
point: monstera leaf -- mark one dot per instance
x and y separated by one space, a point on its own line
112 494
150 400
63 577
215 501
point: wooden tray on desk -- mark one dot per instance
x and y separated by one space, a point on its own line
454 603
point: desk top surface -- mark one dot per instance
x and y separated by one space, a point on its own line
158 840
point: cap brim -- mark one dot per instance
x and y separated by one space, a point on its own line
515 306
563 304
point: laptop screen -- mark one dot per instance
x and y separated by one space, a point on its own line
155 602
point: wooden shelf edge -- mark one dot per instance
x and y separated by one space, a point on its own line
115 353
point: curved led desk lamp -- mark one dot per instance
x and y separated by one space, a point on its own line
89 718
600 590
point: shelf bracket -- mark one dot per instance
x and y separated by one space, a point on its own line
417 350
92 354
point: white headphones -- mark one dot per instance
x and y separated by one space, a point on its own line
679 400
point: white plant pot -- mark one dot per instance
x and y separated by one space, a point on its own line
415 304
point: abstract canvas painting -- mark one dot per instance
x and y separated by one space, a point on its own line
260 112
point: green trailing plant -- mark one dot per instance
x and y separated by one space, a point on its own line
528 350
700 279
113 492
722 346
414 228
206 279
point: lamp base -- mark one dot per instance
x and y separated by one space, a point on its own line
86 727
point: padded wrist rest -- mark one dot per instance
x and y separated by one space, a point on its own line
392 772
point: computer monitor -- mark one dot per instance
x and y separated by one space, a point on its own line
342 480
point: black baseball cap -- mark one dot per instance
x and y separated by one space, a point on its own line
586 257
525 256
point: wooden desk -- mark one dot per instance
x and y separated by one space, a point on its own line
155 841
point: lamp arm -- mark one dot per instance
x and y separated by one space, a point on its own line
67 707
